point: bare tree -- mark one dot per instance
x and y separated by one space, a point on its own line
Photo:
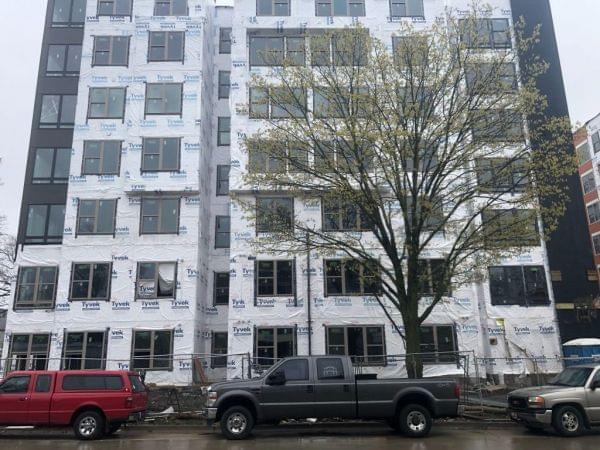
7 263
420 158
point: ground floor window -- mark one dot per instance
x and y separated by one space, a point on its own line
518 285
84 350
273 344
438 341
219 347
28 352
152 350
364 344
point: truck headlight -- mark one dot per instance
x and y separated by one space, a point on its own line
536 402
211 398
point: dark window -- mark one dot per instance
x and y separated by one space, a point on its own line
502 175
588 182
277 103
439 344
268 51
164 98
431 277
96 216
156 280
225 40
45 224
263 156
273 344
152 350
90 281
330 369
51 165
332 156
170 8
340 7
36 287
218 347
223 179
106 103
294 370
42 383
92 383
84 350
68 13
28 352
224 131
137 385
350 277
160 154
166 46
596 141
364 344
58 111
410 53
486 33
275 278
583 153
273 7
224 83
15 385
518 285
160 215
222 232
339 49
63 60
274 214
593 211
344 216
114 7
492 78
101 158
406 8
498 126
510 227
596 242
221 283
111 51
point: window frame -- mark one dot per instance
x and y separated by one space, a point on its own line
331 4
218 219
224 41
217 288
223 171
108 90
53 179
114 8
272 7
491 168
69 23
90 281
67 54
155 280
166 47
224 86
407 9
274 277
217 362
160 208
171 13
438 359
343 276
288 51
271 105
366 345
490 34
525 301
431 278
512 213
31 357
110 52
163 98
67 354
223 131
35 303
45 238
101 158
161 155
339 213
151 357
58 124
96 217
261 226
257 359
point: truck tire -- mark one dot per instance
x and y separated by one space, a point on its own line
88 425
237 423
414 421
568 421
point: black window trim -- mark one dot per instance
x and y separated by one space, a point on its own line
215 287
526 303
364 327
151 357
275 270
70 23
343 262
65 352
276 359
52 179
64 72
438 358
58 124
45 238
215 361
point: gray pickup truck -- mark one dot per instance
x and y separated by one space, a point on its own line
326 387
569 403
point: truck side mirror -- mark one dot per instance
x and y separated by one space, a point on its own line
276 378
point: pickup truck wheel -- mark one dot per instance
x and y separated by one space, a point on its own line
568 421
414 421
88 425
237 423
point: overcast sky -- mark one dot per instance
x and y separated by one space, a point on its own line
576 23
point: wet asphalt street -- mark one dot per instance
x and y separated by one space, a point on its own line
353 437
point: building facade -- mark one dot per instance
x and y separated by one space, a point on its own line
132 253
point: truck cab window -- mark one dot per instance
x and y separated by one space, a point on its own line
42 384
330 369
15 385
295 370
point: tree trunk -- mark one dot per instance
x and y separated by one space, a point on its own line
414 362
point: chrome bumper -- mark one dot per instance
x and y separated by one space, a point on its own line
541 417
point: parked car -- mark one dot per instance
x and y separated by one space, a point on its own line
569 403
326 387
94 402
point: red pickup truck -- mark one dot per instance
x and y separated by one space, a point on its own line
94 402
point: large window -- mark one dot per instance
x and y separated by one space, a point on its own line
406 8
223 131
164 99
273 344
107 103
58 111
114 7
510 227
160 154
278 103
518 285
45 224
84 350
90 281
28 352
223 179
273 7
364 344
63 60
218 347
344 216
221 288
111 51
439 342
492 78
431 277
340 7
275 278
222 232
501 175
152 350
331 156
166 46
274 214
588 182
170 8
156 280
96 216
593 211
350 277
486 33
275 50
68 13
159 215
225 40
92 383
339 49
263 158
36 287
51 166
101 158
224 83
498 126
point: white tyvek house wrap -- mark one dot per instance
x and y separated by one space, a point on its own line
469 308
